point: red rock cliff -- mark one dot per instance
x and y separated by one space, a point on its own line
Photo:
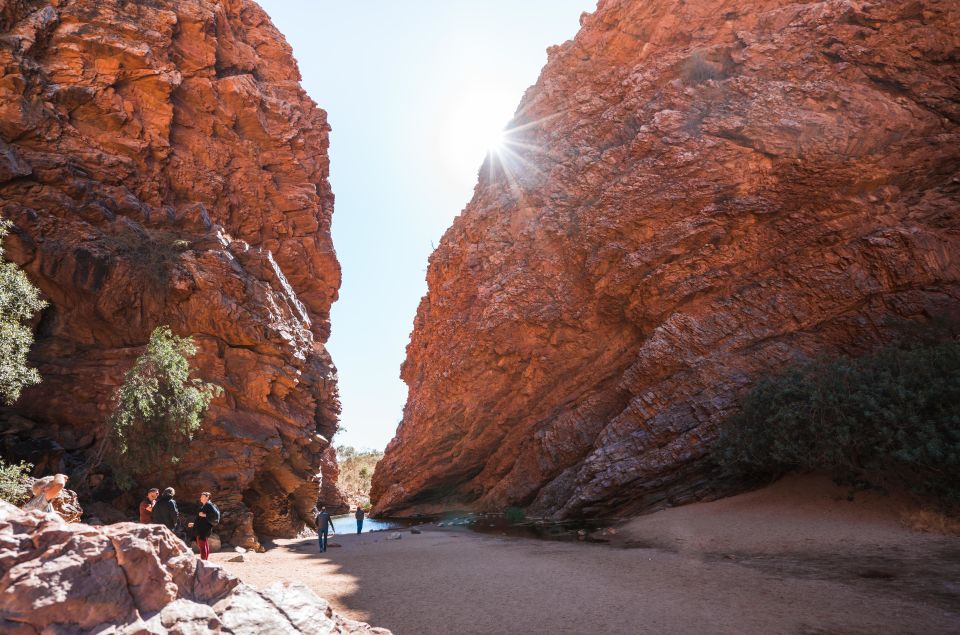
700 192
162 165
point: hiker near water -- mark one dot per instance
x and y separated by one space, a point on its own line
207 518
146 505
324 524
165 510
359 517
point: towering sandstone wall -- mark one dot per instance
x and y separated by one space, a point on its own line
162 165
705 191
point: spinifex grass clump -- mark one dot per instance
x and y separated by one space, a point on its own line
893 415
19 300
159 408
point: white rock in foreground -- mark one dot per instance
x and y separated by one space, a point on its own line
130 579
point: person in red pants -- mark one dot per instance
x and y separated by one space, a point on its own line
207 518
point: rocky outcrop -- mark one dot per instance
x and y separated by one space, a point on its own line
130 578
696 194
50 494
162 165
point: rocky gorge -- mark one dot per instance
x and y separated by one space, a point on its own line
161 165
694 195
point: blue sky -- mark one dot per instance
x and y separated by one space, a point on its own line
414 90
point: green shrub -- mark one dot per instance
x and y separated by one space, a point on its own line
158 410
514 515
893 414
19 300
13 482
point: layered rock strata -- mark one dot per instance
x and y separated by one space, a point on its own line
137 579
696 194
162 165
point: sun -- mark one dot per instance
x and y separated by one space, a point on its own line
474 127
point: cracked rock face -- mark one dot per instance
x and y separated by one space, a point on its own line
131 579
162 165
701 192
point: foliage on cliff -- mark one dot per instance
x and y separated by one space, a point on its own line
356 473
894 413
13 482
159 408
19 300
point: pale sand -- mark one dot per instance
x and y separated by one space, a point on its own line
793 558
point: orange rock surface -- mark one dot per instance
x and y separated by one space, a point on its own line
162 165
698 193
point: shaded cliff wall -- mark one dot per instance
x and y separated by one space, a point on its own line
697 194
162 165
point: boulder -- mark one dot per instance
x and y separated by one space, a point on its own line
213 542
51 491
100 513
68 506
132 579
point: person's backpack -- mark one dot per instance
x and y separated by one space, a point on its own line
215 519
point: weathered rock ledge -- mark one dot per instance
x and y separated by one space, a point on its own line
699 193
137 579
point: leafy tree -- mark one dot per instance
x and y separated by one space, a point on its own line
345 452
19 300
894 414
13 482
159 408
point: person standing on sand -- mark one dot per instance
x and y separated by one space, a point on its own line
207 518
165 510
146 505
359 517
324 524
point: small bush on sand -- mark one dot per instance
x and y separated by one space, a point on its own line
14 487
893 415
19 300
158 409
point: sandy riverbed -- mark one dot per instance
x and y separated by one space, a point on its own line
793 558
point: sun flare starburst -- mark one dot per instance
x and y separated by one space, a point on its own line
483 127
474 127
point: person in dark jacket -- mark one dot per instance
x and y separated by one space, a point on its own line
324 525
146 505
207 518
165 510
359 517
